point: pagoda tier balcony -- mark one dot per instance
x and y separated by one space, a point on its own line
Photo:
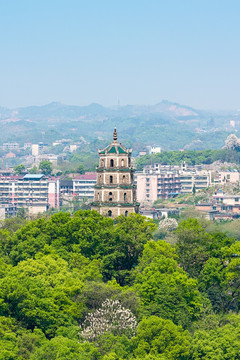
115 168
114 186
114 204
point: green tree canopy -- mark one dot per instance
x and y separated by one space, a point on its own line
164 288
40 293
161 339
46 167
18 169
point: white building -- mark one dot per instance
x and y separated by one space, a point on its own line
154 149
35 149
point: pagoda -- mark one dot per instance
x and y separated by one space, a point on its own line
115 191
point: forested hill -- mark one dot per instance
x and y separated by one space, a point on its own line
88 287
171 125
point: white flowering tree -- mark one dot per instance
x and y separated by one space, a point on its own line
111 317
232 142
168 224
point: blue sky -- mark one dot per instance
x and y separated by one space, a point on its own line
140 52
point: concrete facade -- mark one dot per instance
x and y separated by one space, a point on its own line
162 181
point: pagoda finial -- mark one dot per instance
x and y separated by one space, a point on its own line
115 134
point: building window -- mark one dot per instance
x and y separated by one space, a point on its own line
122 162
111 163
123 179
111 179
110 196
109 213
125 196
126 213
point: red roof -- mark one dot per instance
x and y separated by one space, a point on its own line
87 176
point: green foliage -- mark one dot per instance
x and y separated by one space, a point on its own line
156 336
122 250
40 293
57 270
18 169
62 348
80 169
46 167
194 245
190 157
217 344
180 302
34 170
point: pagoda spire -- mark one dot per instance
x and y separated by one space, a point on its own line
115 134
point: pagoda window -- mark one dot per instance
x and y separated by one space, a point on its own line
110 196
111 179
109 213
123 179
125 196
126 213
111 163
122 162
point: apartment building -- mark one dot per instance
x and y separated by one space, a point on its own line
83 185
10 146
33 191
164 181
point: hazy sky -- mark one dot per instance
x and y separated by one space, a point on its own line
141 52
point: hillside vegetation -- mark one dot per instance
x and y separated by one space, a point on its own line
173 126
88 287
190 157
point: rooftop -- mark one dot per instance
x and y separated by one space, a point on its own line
33 176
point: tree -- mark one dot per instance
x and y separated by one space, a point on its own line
34 170
164 288
192 246
223 342
80 169
46 167
18 169
62 348
161 339
111 317
123 248
194 189
44 297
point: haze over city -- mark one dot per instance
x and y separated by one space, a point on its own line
127 52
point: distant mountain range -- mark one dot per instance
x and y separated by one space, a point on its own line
167 124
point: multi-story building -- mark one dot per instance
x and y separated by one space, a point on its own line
115 192
34 192
164 181
10 146
83 185
151 187
197 180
